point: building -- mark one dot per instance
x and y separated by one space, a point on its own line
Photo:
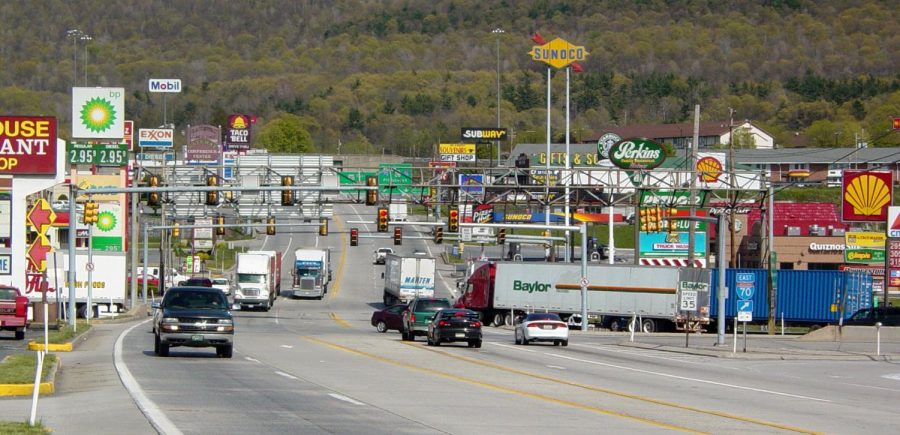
818 165
712 133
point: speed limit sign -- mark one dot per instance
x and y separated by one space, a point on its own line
688 300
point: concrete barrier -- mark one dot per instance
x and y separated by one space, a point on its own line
853 334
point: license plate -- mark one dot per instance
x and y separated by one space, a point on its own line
460 334
196 338
547 326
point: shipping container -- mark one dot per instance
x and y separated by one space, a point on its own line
802 296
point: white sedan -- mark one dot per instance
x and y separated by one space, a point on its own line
542 327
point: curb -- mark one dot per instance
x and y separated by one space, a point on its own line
62 347
44 389
756 354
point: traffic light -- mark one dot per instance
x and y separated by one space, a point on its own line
323 227
371 195
398 236
438 235
91 213
453 222
153 197
501 236
382 220
220 230
354 237
176 231
287 196
270 229
212 198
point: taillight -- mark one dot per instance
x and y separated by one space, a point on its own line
475 324
412 317
21 306
443 323
564 326
533 325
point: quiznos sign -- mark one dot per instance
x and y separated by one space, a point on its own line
637 154
470 134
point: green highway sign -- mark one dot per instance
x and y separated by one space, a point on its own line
97 154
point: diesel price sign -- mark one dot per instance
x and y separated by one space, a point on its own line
94 154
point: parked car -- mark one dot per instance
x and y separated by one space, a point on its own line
193 317
197 281
888 316
542 327
419 314
222 284
381 255
454 324
389 318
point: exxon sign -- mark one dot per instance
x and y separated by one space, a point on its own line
172 86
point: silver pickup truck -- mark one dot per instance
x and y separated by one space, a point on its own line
381 254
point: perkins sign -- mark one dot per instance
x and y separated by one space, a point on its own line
637 154
27 145
170 86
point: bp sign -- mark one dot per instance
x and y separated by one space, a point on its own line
637 154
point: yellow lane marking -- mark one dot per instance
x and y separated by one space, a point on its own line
340 270
618 393
495 387
339 320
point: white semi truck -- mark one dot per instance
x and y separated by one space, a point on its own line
618 293
311 272
257 279
406 277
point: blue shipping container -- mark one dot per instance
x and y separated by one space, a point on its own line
802 296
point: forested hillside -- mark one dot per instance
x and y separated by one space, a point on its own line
403 75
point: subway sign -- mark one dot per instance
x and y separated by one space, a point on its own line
481 134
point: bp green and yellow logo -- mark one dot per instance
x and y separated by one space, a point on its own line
98 114
106 221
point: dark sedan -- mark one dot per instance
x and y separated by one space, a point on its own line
389 318
450 325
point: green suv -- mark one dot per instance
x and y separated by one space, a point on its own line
419 315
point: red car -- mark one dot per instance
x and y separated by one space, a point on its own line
389 318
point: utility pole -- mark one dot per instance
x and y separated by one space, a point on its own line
693 198
732 259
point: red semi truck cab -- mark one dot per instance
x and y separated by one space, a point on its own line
13 311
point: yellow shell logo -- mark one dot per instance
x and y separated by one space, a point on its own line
710 169
239 122
867 194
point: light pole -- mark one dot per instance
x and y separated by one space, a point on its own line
74 34
84 38
498 31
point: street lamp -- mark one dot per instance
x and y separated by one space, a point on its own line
85 38
74 34
498 31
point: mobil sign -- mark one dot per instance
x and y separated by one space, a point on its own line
172 86
156 137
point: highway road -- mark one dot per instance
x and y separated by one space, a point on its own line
310 366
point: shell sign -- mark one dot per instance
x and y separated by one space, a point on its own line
558 53
709 169
866 195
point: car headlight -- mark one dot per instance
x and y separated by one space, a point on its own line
170 320
238 295
225 321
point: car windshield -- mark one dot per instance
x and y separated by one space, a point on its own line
195 301
432 305
542 316
7 293
220 281
307 273
245 278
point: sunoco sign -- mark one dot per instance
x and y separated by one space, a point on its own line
637 154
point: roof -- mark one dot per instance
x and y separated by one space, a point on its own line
801 214
817 155
655 131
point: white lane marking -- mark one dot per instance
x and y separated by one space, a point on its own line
155 416
286 346
556 367
686 359
872 386
266 240
279 373
346 399
277 310
514 347
251 359
893 376
684 378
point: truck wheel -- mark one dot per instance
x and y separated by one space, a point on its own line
614 325
20 334
381 327
498 320
163 349
648 326
508 320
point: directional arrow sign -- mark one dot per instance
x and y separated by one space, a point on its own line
745 305
37 253
41 216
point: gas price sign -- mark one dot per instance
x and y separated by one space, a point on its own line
97 154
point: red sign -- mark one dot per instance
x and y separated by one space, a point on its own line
237 135
129 135
204 143
27 145
866 195
896 124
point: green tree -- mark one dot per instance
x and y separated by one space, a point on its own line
284 134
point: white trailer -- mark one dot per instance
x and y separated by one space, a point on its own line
406 277
110 284
398 211
255 280
311 272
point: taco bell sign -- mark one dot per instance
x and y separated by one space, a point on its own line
172 86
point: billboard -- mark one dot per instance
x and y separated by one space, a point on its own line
98 113
866 195
457 152
203 143
237 133
107 234
156 137
27 145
